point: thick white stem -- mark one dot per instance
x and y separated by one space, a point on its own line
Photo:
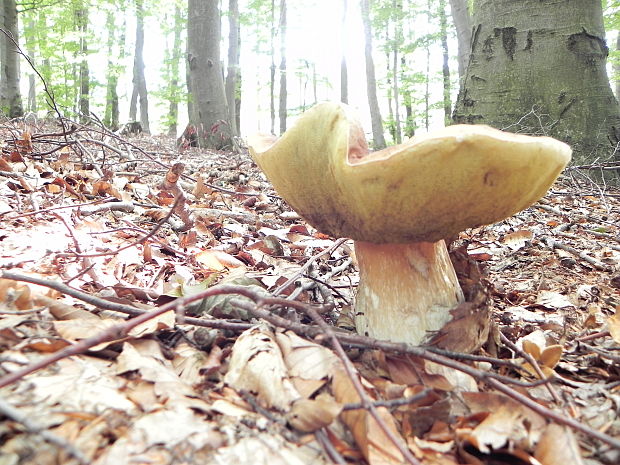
406 291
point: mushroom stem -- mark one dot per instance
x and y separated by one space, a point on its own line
406 291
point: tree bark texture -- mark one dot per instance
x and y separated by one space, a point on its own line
371 80
139 80
10 96
344 72
233 64
617 70
81 20
283 93
272 69
398 40
539 68
210 112
173 107
462 24
443 30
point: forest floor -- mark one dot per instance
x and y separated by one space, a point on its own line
159 313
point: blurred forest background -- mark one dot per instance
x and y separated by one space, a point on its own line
221 69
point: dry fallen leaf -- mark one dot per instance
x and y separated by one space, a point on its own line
308 415
376 447
256 365
558 446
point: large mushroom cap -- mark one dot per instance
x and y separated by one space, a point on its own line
431 187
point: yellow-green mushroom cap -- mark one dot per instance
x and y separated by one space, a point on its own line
426 189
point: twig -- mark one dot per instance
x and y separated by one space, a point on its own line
359 389
534 363
307 265
559 245
33 428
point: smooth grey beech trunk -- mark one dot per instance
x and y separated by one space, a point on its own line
10 96
209 108
539 68
462 24
371 81
139 80
232 75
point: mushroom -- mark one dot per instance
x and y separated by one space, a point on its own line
400 203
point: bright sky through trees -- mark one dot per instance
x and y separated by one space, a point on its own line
313 40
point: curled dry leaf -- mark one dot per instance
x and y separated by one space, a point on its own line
558 446
308 415
613 323
256 365
377 448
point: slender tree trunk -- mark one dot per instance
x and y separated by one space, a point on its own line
111 115
139 80
617 70
210 112
10 96
398 39
81 19
29 35
371 81
239 81
272 80
540 69
233 64
344 84
443 27
427 90
283 93
188 80
173 107
463 26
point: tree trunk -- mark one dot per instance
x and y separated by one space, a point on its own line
29 35
233 64
272 69
462 24
111 116
81 20
283 94
139 80
398 40
540 69
344 78
443 29
210 112
10 96
427 90
617 70
175 59
371 81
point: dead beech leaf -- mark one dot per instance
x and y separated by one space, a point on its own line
558 446
376 447
62 311
502 426
553 300
256 365
304 358
613 323
551 356
82 328
517 240
16 294
216 260
308 415
532 348
163 321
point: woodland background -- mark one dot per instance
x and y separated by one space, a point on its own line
399 62
158 301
